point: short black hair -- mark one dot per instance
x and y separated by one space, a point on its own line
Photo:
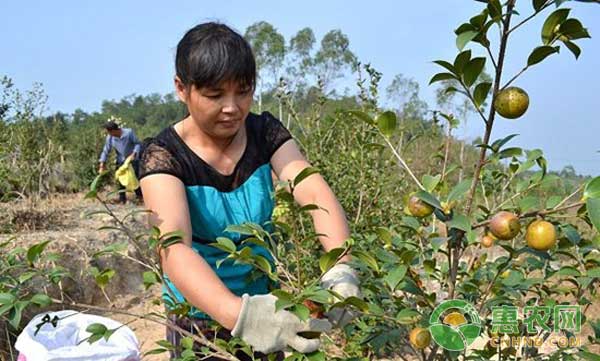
110 125
211 53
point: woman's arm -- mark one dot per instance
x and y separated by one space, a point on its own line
288 162
165 196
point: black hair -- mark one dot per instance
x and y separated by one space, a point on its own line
110 125
211 53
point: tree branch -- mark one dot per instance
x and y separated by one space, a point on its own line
531 16
536 213
515 77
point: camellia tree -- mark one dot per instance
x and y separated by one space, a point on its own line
549 244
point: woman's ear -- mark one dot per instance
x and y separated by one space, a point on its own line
181 89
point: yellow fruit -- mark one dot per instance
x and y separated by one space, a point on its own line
487 241
505 225
541 235
511 102
455 319
418 208
419 338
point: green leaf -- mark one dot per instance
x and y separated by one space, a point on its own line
593 272
226 244
571 234
460 221
430 182
187 342
528 203
410 222
26 276
366 259
150 278
481 92
282 295
459 190
166 344
495 9
450 89
394 276
328 259
510 152
588 356
514 278
573 48
362 116
441 76
15 314
5 308
464 27
478 20
263 264
540 53
537 4
593 209
316 356
34 251
554 19
407 316
553 201
112 248
446 65
96 183
592 189
463 38
568 271
573 29
461 60
320 296
96 329
472 70
358 303
306 172
241 229
7 298
41 299
301 311
386 122
428 198
384 234
500 142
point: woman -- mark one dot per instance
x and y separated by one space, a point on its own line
213 169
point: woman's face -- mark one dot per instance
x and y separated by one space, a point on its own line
220 111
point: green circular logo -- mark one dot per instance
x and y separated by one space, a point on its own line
454 325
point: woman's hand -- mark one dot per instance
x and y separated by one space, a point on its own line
267 330
343 280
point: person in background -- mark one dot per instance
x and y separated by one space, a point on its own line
127 146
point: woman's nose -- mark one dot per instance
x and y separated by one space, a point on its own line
229 105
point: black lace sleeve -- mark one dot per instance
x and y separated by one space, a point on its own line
275 133
156 158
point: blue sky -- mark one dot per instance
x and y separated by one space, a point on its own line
86 51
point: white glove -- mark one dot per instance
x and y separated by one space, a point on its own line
268 331
341 279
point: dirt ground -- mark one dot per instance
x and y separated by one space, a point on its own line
60 219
